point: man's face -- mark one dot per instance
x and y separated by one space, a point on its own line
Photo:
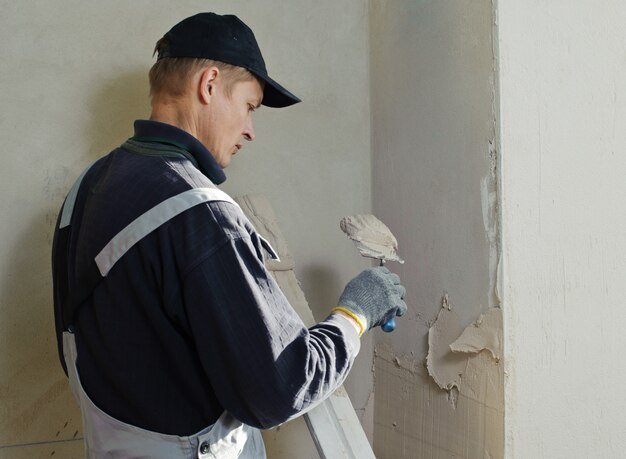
229 119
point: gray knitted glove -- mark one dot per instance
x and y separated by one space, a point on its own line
376 295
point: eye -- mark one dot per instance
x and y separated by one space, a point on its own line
251 108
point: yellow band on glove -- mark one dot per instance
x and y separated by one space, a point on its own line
356 317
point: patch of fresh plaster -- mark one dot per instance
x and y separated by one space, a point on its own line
484 333
454 359
443 365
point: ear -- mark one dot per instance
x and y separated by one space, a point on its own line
209 78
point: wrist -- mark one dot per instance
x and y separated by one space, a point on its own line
356 320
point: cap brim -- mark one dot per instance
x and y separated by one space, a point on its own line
274 95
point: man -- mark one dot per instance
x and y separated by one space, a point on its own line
176 340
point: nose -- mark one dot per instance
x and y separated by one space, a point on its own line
248 132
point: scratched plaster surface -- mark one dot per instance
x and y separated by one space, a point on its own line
414 416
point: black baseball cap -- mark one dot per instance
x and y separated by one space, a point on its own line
226 39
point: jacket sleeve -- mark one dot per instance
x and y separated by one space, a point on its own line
263 363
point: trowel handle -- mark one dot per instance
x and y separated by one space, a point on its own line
389 324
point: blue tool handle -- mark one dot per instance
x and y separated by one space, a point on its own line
390 324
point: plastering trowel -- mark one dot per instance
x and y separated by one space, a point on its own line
374 240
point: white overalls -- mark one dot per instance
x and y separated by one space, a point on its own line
107 437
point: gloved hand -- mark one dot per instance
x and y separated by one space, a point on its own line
373 295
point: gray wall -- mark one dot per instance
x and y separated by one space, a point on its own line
433 136
73 78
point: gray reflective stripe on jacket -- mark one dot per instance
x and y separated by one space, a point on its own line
108 437
151 220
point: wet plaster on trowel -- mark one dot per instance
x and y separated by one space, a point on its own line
452 352
372 237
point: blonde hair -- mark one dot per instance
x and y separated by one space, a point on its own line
171 75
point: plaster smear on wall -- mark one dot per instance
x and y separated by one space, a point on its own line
444 366
452 351
484 334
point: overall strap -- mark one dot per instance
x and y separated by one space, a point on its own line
60 266
70 200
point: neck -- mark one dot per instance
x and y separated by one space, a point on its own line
176 113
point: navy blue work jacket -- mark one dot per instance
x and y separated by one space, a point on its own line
188 323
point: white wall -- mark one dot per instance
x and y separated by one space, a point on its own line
74 77
563 120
